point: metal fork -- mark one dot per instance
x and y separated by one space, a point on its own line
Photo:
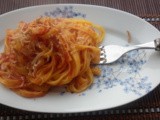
111 53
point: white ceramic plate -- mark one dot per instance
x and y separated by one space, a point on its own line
133 76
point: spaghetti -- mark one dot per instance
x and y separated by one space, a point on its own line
50 52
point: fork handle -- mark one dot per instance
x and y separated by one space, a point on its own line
151 45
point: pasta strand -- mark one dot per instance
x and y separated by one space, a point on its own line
50 52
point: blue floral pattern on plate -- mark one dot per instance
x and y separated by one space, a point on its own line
65 12
126 72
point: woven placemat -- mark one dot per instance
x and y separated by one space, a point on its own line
148 105
137 7
147 108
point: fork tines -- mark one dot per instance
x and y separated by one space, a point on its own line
103 56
